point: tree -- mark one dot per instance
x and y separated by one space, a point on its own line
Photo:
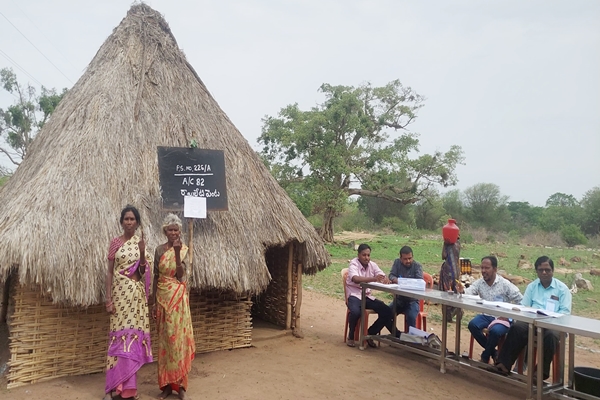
486 204
430 213
20 122
355 143
453 203
591 211
523 214
562 200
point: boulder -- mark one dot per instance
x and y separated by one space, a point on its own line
524 264
595 272
597 256
564 262
582 283
499 255
575 259
517 280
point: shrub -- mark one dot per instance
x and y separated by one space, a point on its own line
572 235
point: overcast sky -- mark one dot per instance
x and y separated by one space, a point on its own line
515 83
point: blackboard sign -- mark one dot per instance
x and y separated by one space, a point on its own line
192 172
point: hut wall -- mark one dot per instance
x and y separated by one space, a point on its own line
271 305
49 341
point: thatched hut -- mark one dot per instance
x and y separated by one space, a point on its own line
97 153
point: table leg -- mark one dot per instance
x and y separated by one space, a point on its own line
571 359
530 361
457 335
540 363
363 305
444 339
561 357
394 329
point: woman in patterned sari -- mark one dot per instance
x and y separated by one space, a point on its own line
176 346
126 301
450 273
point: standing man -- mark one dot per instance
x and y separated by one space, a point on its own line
406 267
545 293
491 287
362 269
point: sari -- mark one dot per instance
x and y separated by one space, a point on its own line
176 346
450 270
450 273
129 337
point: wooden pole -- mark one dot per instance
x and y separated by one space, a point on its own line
288 317
190 242
298 330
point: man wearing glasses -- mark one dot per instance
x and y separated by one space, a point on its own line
545 293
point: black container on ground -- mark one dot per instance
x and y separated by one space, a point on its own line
587 380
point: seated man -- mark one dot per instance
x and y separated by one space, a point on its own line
545 293
406 267
491 287
362 269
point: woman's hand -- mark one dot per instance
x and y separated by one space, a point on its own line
142 243
110 308
177 244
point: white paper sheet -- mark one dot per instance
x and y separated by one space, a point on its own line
194 207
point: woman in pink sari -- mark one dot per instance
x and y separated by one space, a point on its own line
126 300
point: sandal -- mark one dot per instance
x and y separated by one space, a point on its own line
371 343
350 342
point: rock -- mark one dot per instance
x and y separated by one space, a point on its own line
523 256
564 262
590 300
499 255
502 273
516 279
582 283
595 272
524 264
597 256
575 259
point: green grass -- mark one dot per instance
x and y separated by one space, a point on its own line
427 251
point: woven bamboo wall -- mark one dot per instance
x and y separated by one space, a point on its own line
271 305
48 341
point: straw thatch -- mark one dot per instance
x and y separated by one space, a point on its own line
98 152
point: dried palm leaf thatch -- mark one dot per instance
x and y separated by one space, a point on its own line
98 152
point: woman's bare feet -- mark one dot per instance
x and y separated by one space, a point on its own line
182 394
165 393
107 396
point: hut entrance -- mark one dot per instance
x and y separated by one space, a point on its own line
279 304
4 351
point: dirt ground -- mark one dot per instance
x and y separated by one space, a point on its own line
320 366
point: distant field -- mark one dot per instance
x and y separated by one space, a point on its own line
385 249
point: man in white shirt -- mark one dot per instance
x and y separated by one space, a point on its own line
491 287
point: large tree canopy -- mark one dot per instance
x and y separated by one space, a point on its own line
20 122
355 143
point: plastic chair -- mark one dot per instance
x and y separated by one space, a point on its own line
555 361
485 331
365 313
422 315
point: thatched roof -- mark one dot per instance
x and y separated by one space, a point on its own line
98 152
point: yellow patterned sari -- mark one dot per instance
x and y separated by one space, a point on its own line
176 346
129 337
